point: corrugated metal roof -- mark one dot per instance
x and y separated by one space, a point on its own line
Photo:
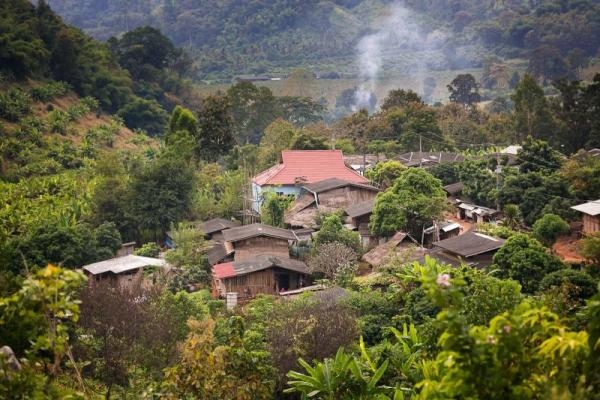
217 225
589 208
123 264
254 230
453 188
335 183
357 210
217 254
308 166
470 244
258 263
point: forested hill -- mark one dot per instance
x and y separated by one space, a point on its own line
252 36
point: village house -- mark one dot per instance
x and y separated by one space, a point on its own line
401 246
257 239
440 231
472 248
359 215
475 213
213 228
324 197
591 216
265 274
125 272
298 168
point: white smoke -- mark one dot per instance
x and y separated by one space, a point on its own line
397 35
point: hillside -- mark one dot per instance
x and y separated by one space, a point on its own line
46 129
237 37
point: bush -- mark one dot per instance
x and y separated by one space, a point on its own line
49 91
584 285
150 249
59 121
14 104
548 228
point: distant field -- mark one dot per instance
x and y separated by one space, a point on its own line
330 89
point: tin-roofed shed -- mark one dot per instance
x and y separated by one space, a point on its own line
591 216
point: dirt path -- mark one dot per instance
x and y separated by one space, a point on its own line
568 249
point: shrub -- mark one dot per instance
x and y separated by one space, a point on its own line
14 104
150 249
49 91
584 286
59 121
548 228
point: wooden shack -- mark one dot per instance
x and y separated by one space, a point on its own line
124 272
251 240
591 216
213 228
266 274
359 216
326 196
472 248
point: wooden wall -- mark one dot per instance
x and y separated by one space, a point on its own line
345 196
591 224
258 282
245 249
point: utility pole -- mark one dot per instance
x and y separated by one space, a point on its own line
420 151
498 171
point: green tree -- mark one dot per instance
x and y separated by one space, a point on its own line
279 135
211 371
332 230
526 260
37 321
548 228
538 155
384 174
143 47
161 195
252 109
512 216
415 199
273 208
591 248
532 113
146 115
464 90
215 128
400 98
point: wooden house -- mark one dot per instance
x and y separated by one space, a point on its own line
399 245
256 239
472 248
213 228
267 274
326 196
359 215
300 167
475 213
591 216
440 231
124 272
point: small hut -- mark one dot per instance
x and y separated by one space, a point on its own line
266 273
591 216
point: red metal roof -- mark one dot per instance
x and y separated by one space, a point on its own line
224 270
308 166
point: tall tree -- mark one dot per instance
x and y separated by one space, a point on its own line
215 128
532 114
411 204
252 109
161 195
464 90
